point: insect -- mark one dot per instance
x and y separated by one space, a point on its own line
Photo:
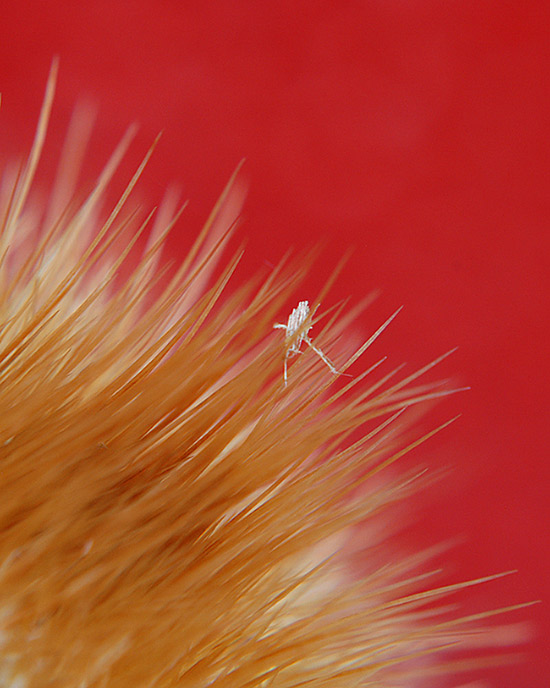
297 328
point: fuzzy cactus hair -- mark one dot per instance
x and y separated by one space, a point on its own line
171 513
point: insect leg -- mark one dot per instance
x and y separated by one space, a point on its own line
322 356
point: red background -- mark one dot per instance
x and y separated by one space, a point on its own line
413 130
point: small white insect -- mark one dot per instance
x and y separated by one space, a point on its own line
297 328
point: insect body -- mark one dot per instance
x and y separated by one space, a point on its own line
297 328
